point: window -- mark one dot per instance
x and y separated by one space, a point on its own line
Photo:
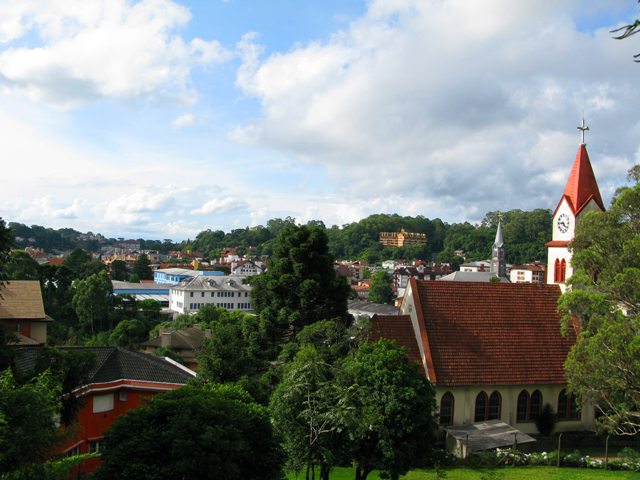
73 452
529 407
563 270
233 294
246 294
446 409
103 403
212 294
481 407
560 270
522 410
495 402
567 407
202 294
16 327
123 396
191 294
536 405
94 447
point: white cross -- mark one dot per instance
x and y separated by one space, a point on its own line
583 128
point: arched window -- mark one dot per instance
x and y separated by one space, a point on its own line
556 270
495 401
535 406
563 270
567 407
446 409
481 407
522 410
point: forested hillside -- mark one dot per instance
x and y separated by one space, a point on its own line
525 235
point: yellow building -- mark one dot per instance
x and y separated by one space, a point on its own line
402 238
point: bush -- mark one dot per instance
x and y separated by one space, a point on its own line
546 421
629 455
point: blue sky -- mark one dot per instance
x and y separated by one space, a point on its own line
160 118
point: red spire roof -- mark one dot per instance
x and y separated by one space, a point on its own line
582 185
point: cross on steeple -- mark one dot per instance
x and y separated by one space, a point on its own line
583 128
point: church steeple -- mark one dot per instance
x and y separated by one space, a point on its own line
582 185
498 259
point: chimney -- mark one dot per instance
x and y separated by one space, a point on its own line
197 326
207 333
161 330
166 339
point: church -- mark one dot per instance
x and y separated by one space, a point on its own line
493 350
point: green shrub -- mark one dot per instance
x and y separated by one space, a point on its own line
628 454
546 421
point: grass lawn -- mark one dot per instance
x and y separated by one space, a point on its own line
506 473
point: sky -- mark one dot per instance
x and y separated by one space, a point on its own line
159 119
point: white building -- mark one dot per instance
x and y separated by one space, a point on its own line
227 292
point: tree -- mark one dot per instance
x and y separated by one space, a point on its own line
70 369
627 31
396 411
134 278
300 286
142 268
213 432
6 242
310 411
76 260
380 289
93 301
28 430
119 270
602 367
20 266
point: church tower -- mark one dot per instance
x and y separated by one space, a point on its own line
581 195
498 260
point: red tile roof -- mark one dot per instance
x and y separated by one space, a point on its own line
491 333
582 185
398 328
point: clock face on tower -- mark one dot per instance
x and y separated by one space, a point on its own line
563 223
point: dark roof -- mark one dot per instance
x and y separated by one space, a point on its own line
398 328
115 363
487 435
491 333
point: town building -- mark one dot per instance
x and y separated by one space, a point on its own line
187 342
22 311
122 380
492 350
581 196
529 273
227 292
402 239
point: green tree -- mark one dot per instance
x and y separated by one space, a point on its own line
20 266
213 432
76 261
134 278
28 430
395 409
6 242
380 289
311 411
604 298
70 369
142 268
93 302
130 333
300 286
627 31
119 270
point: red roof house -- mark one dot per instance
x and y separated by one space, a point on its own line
493 350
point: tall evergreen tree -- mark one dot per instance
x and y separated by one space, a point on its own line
142 268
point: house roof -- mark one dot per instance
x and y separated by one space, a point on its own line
582 185
22 300
491 333
398 328
484 277
115 363
213 283
183 339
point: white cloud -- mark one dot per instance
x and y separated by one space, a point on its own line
101 48
446 99
184 120
219 206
